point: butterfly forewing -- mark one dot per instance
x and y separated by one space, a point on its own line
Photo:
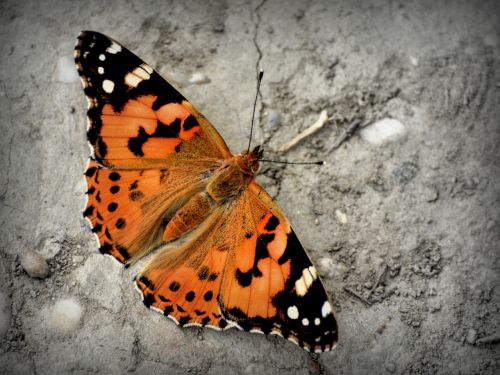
137 120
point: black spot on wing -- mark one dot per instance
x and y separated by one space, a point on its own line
105 248
168 309
203 272
190 122
97 228
190 296
208 296
120 223
112 206
272 223
91 171
184 320
167 131
135 144
123 251
174 286
147 282
136 195
148 300
244 278
162 131
88 211
133 185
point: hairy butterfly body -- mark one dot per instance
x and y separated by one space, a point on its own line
162 178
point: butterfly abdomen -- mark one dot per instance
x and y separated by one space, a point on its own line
189 216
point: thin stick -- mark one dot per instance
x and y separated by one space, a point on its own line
357 295
322 120
346 134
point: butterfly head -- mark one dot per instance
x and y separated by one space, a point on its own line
249 160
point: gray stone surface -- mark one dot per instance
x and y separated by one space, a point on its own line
414 269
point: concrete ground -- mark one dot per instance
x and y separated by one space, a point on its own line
405 233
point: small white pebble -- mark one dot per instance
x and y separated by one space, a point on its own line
471 336
383 131
34 264
66 71
198 79
326 267
341 217
65 315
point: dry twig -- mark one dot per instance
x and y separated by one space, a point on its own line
322 120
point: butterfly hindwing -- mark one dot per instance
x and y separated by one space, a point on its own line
270 285
137 120
183 282
128 209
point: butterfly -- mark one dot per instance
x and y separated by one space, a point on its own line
162 178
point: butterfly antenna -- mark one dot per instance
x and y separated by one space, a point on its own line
292 162
261 74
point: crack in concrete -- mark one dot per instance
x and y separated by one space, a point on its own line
4 193
257 20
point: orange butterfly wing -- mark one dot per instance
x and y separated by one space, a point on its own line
270 285
151 147
137 120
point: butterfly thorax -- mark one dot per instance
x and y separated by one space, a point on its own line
234 175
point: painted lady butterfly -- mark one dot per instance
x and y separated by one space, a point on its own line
162 178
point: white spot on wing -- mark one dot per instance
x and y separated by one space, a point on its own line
300 287
139 74
100 70
114 48
305 322
108 86
326 309
293 312
304 282
132 80
317 321
101 57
